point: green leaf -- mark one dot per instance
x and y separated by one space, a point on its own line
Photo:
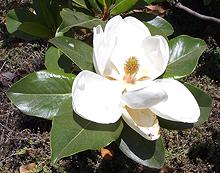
122 6
154 30
141 150
204 101
207 2
81 3
51 59
56 7
44 13
162 24
16 17
72 19
184 55
56 61
79 52
35 29
102 3
25 24
105 4
149 1
205 105
93 5
41 93
71 134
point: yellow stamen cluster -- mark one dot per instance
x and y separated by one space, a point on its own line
131 66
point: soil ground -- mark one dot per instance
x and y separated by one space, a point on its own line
25 139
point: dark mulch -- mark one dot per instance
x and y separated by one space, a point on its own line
25 139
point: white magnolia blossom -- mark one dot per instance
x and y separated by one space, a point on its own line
128 60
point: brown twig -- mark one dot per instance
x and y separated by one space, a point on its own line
177 4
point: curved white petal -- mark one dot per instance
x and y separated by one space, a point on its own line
142 121
144 97
180 104
96 98
104 43
155 58
129 36
136 28
99 60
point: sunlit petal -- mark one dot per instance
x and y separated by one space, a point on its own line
180 104
155 57
144 97
129 36
104 43
96 98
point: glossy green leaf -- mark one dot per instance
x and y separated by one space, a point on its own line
184 55
71 134
79 52
141 150
73 19
122 6
41 93
162 24
205 105
154 30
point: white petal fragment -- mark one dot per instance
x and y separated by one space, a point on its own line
144 97
129 35
180 105
156 51
138 26
96 98
142 121
104 43
98 61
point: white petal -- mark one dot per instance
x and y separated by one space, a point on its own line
144 97
155 58
103 44
129 35
133 27
96 98
180 104
99 60
142 121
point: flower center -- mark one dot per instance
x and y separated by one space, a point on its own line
131 68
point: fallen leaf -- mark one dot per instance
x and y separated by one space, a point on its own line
156 9
27 168
107 154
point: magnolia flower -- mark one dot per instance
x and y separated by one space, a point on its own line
127 60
